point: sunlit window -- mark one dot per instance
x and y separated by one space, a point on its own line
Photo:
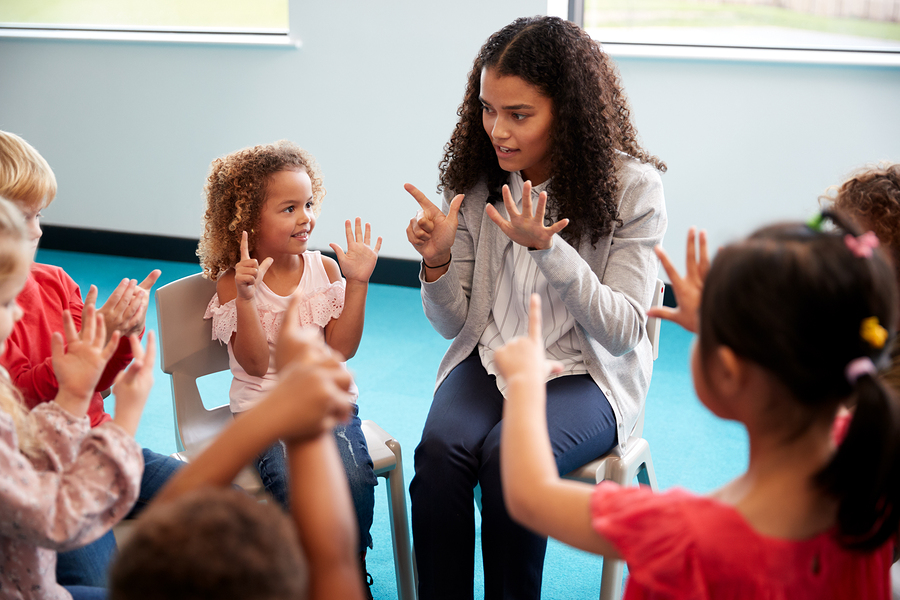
857 25
204 16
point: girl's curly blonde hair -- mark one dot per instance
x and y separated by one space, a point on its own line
236 193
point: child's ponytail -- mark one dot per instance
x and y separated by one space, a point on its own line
865 471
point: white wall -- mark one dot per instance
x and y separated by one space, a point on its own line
130 128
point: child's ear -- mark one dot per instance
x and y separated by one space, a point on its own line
733 371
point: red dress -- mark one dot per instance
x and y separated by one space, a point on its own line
680 546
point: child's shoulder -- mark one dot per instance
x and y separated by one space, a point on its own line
331 268
226 290
42 273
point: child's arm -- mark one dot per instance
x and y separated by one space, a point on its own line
322 509
310 398
535 494
84 480
689 288
344 333
249 342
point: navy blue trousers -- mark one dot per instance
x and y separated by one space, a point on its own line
460 448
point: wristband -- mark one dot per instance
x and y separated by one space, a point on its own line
427 266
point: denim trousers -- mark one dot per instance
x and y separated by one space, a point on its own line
88 565
351 443
80 592
460 449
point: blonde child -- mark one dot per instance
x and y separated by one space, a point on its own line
28 181
62 483
262 204
792 323
228 546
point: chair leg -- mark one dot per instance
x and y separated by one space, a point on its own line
396 491
611 582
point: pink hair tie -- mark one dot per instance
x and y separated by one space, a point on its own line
858 367
862 246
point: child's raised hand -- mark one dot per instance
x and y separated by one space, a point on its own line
296 343
79 359
142 296
133 385
311 397
524 355
248 272
359 261
526 228
688 289
431 232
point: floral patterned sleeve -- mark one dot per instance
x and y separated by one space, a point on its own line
81 484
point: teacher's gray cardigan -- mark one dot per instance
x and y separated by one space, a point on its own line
607 288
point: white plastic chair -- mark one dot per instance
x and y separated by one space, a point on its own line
623 467
189 352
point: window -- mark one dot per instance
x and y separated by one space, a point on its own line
854 25
262 17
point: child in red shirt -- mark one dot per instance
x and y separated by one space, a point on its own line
792 323
28 181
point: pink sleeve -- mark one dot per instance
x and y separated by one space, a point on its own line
652 533
82 483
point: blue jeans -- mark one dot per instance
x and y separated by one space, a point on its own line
80 592
351 443
460 448
88 565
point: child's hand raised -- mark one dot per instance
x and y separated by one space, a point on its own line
125 310
526 228
525 355
431 232
688 289
248 272
359 261
79 359
132 386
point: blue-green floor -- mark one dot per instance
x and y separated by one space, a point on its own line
395 369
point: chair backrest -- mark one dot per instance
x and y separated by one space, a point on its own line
653 326
188 353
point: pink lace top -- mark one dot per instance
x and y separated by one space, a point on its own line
84 481
322 301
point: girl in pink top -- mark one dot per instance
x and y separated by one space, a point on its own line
62 483
262 204
793 323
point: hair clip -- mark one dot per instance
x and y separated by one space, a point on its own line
858 367
863 245
873 332
815 223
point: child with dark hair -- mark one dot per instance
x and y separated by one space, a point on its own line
793 322
546 190
203 539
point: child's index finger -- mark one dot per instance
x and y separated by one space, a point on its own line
245 252
534 319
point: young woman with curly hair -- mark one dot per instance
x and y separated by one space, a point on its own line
546 190
262 204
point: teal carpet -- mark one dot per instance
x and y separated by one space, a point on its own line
395 369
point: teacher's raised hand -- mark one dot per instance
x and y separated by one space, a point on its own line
431 232
526 228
